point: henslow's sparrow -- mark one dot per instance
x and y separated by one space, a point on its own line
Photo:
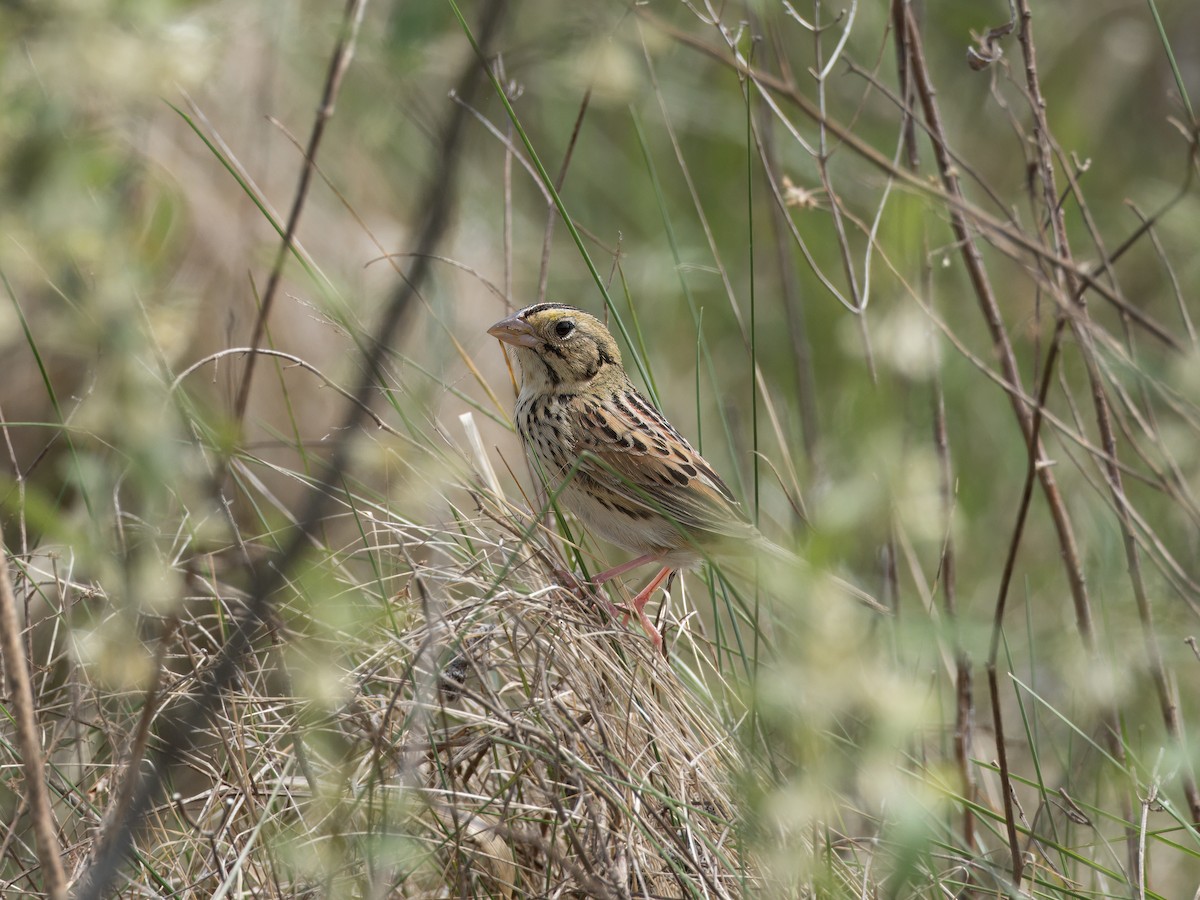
611 457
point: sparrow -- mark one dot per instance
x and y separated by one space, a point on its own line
609 456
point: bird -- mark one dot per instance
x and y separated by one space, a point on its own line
610 456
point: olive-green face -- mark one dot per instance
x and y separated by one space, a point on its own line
565 346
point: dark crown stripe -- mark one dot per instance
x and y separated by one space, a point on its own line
542 307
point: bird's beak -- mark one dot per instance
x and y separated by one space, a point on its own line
515 331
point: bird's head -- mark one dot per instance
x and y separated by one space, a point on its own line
559 347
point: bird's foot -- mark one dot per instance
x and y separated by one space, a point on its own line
586 591
639 606
590 590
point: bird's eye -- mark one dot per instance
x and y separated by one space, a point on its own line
564 327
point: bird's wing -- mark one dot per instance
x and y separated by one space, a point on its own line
629 450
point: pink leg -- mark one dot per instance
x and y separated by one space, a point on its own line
597 580
643 597
610 574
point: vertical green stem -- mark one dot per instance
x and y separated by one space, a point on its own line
753 330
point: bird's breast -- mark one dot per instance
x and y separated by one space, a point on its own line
546 430
547 426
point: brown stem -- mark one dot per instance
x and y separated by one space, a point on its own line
436 202
1010 821
964 705
338 63
962 208
1082 328
20 692
1003 348
551 209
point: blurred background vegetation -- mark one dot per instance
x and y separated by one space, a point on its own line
149 154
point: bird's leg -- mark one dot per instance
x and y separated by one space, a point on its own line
586 590
643 597
610 574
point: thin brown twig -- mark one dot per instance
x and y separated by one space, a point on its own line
1162 680
137 747
1029 423
338 64
1035 463
955 201
1176 290
294 360
266 580
822 159
1001 344
964 701
946 575
20 692
559 180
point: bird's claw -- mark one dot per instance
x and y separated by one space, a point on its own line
586 589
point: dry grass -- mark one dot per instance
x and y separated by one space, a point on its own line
489 733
